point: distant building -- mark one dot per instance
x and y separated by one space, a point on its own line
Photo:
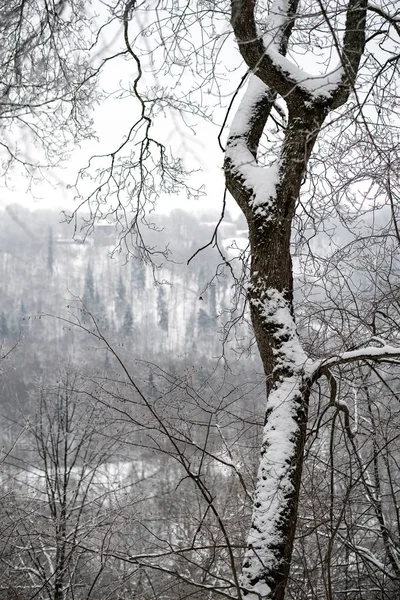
104 233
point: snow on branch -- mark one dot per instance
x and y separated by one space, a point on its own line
260 181
317 87
373 353
262 51
275 312
276 489
251 42
278 17
393 20
369 557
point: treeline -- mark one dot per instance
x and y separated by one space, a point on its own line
160 310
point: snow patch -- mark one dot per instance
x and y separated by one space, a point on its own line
320 86
276 21
274 482
260 181
365 353
274 310
281 431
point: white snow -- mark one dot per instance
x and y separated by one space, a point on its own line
255 91
276 20
274 480
368 352
262 181
368 555
274 309
320 86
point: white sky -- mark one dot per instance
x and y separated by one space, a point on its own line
113 117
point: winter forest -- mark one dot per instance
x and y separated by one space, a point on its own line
200 354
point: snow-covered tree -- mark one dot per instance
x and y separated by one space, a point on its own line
4 328
310 147
266 183
89 293
50 252
58 494
120 295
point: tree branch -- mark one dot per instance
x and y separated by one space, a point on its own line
372 353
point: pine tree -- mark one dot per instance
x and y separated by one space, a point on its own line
100 314
204 324
163 320
89 291
50 252
150 384
4 329
127 323
139 275
213 301
23 322
120 295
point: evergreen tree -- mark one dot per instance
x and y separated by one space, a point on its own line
4 329
89 291
162 310
120 295
204 324
50 252
151 385
139 275
127 323
100 314
23 321
213 301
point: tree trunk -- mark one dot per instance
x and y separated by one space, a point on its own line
267 197
267 562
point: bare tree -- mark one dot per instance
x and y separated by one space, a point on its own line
284 116
268 198
346 542
185 531
47 83
63 497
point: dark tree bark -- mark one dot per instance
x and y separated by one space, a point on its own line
267 197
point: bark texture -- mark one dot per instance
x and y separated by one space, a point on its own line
268 199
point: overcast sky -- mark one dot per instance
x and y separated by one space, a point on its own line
197 145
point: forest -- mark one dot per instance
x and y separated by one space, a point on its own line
130 456
95 464
200 402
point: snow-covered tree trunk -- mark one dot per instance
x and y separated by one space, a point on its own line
267 197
